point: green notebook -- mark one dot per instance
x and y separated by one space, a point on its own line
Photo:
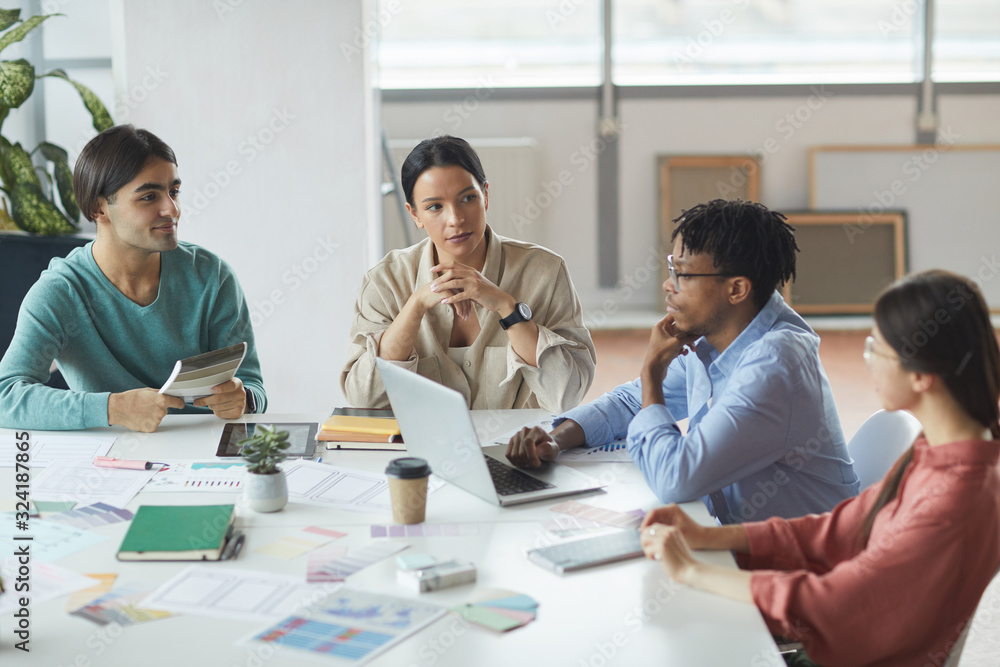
177 532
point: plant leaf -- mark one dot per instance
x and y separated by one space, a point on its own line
18 163
34 213
17 80
9 17
21 31
99 113
64 178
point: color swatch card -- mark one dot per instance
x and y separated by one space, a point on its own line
251 595
600 515
499 611
329 566
202 476
426 530
351 627
91 516
302 542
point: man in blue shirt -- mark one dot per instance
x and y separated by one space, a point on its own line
118 313
763 436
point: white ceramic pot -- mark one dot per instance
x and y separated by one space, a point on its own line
266 493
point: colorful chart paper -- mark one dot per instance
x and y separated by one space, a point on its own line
351 626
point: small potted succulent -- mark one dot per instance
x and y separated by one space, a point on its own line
266 489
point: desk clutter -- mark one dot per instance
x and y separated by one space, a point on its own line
317 612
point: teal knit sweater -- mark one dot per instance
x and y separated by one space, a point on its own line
104 343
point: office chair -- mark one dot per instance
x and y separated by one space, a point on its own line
880 442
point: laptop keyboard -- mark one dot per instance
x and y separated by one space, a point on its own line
509 480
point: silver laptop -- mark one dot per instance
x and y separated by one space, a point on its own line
437 426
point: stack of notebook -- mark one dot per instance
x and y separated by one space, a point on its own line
350 432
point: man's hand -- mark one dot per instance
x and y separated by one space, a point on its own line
665 345
140 409
228 400
530 446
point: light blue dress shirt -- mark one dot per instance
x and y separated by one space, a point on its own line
762 425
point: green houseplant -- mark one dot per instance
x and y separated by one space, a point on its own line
29 189
265 489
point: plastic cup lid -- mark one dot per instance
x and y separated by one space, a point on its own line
408 467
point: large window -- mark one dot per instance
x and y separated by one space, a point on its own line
553 43
472 43
765 41
966 40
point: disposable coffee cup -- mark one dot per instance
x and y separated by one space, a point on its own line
408 488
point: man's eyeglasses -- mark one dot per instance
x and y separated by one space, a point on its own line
869 354
676 277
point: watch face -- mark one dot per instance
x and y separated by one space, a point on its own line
524 310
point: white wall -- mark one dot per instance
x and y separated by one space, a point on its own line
274 131
655 127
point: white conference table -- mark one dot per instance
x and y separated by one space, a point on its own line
627 613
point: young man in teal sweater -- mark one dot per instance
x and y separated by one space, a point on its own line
117 314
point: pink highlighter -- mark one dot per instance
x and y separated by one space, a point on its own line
109 462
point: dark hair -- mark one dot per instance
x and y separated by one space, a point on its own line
442 151
744 239
938 323
110 161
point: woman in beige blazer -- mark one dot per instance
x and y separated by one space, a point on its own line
493 318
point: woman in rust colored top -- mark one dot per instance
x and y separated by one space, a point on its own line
892 576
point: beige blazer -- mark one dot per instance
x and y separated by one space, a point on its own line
492 375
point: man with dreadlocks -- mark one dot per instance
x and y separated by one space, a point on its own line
763 436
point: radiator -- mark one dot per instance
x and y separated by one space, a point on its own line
511 167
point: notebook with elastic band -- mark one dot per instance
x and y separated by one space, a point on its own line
178 533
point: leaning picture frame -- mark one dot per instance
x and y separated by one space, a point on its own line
687 180
845 259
